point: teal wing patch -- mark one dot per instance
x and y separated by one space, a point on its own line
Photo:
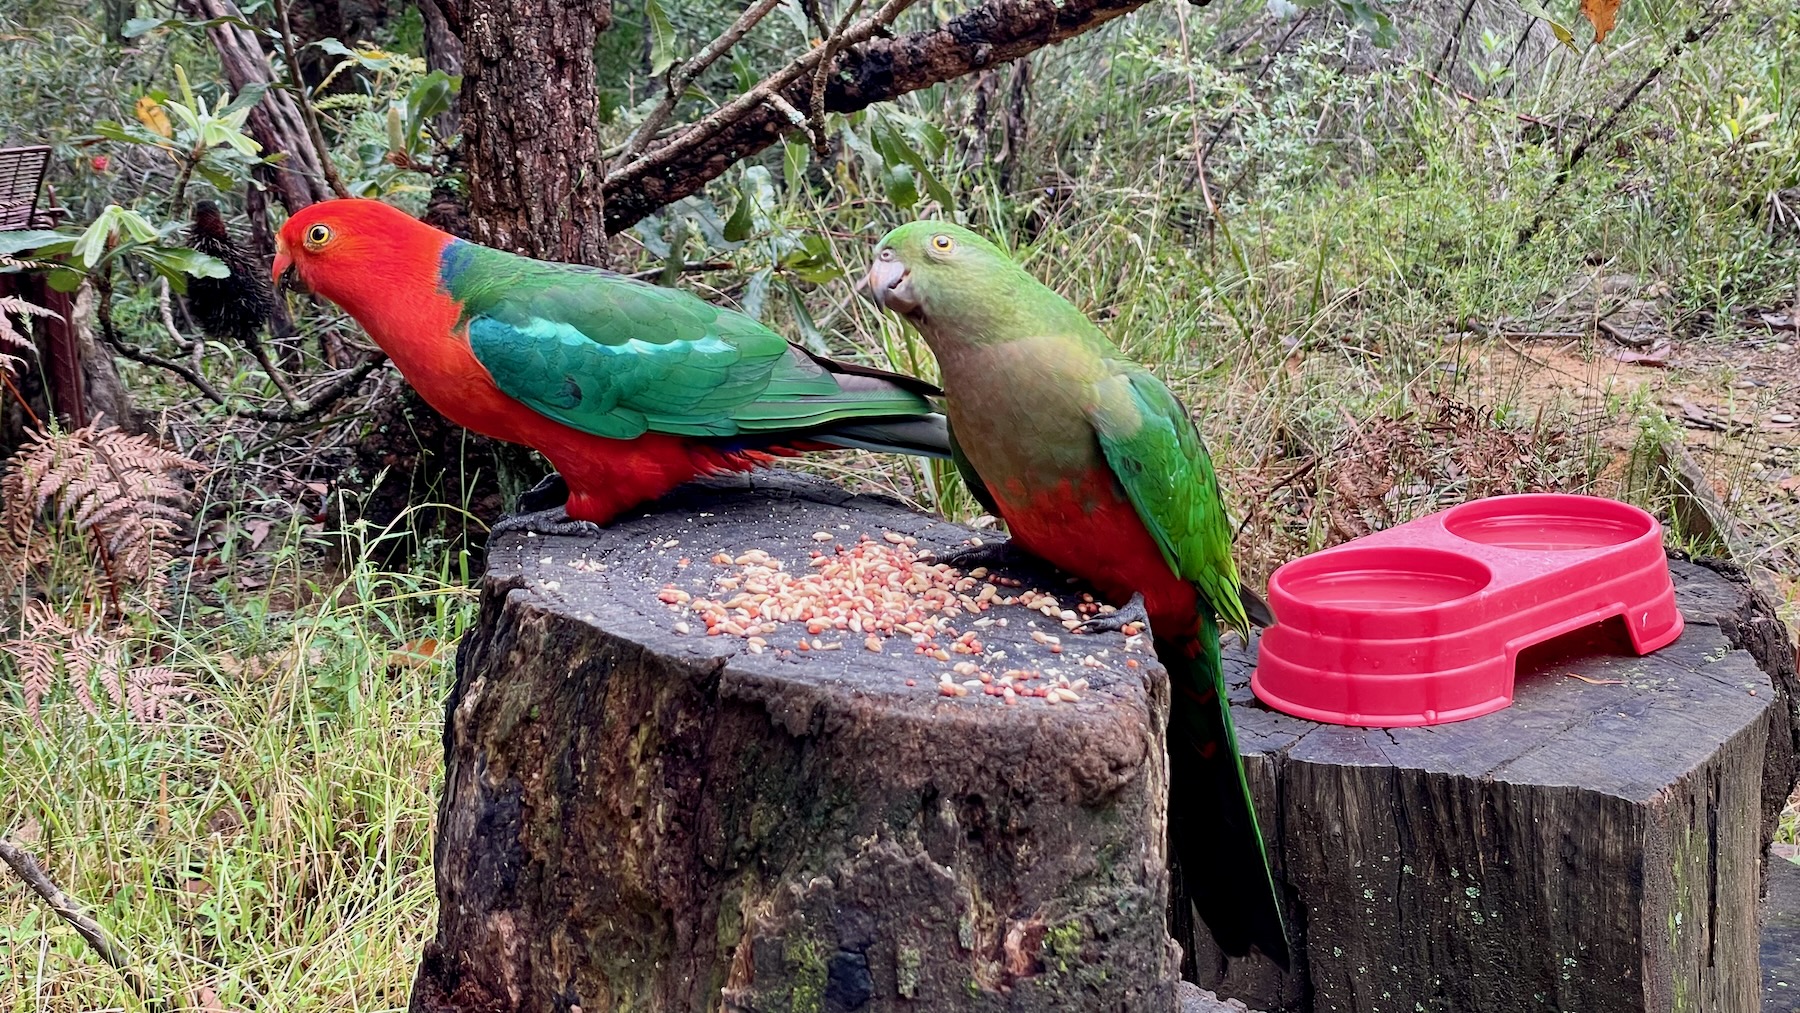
616 357
1157 456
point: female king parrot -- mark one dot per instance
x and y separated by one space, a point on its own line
1096 467
628 389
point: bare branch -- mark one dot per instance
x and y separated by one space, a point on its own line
693 137
679 81
296 412
306 106
833 43
34 876
866 70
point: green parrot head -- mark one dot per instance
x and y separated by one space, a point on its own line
939 272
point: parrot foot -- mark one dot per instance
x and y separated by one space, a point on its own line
988 554
554 521
1115 622
548 494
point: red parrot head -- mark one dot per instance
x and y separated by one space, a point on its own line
359 253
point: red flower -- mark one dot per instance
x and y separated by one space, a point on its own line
100 162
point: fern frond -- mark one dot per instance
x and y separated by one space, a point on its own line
123 493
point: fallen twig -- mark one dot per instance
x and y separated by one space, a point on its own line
33 875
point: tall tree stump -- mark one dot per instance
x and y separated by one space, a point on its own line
1596 846
635 818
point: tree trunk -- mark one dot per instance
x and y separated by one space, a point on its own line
276 122
637 816
1596 846
530 125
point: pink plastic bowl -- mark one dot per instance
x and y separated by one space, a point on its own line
1421 624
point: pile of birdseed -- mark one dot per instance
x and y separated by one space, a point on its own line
881 591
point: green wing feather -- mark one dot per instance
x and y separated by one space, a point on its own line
617 357
1158 458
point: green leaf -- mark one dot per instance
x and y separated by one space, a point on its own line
132 133
1557 28
737 227
91 246
1370 18
810 335
38 241
64 280
811 260
662 38
897 182
245 100
177 262
794 158
144 26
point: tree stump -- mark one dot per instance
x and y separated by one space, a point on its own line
1596 846
635 818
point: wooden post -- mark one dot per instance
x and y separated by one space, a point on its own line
1597 846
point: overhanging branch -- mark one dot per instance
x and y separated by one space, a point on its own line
872 71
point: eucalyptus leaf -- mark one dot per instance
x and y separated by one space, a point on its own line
662 38
39 241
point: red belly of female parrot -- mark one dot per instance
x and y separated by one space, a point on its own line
1088 528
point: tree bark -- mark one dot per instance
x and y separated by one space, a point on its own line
637 816
276 122
875 71
530 125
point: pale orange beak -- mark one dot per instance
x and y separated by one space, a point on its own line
282 262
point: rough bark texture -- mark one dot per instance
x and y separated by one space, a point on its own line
1781 939
635 819
276 122
530 124
1594 846
875 71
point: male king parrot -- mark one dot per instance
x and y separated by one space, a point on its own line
1096 467
628 389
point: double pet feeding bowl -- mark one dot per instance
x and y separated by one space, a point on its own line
1422 624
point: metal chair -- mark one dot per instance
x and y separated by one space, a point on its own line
22 185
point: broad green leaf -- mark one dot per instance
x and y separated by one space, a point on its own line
91 246
238 109
64 280
177 262
143 26
662 38
131 133
137 227
37 241
794 159
810 335
737 227
897 182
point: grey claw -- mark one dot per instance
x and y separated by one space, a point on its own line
1115 622
555 521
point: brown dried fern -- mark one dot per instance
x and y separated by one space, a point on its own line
49 644
122 493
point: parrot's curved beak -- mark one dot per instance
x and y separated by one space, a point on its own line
282 262
890 284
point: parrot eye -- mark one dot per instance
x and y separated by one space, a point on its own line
942 243
318 236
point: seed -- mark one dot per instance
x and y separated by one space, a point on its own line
1068 695
912 682
872 643
1055 648
1131 663
894 538
682 628
821 536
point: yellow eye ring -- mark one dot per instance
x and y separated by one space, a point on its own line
942 243
318 236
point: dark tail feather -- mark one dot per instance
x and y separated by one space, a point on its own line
1256 608
1212 822
924 436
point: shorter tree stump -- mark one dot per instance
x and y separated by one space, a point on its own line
1596 846
640 818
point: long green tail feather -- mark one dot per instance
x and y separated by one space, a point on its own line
1212 820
